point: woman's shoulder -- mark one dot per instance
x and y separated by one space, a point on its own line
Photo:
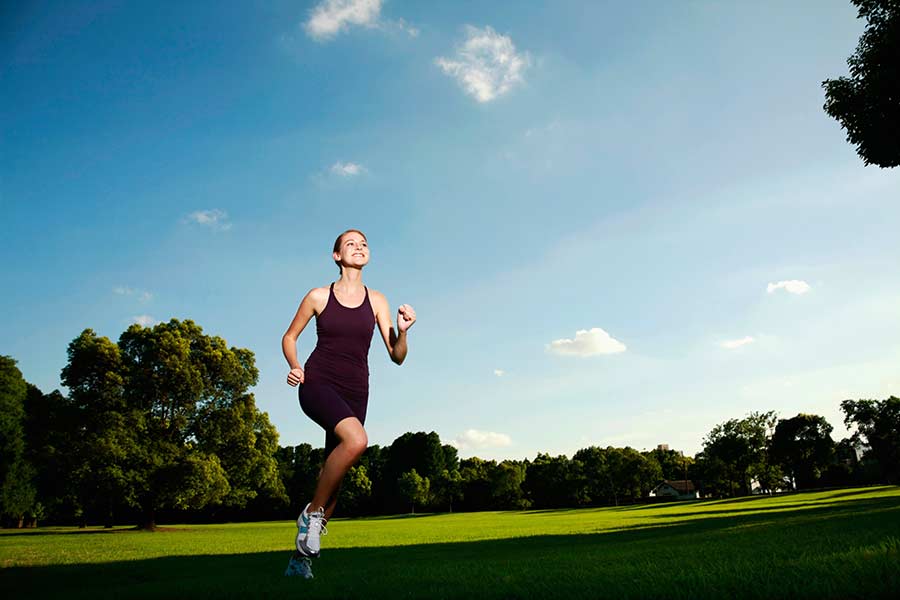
319 294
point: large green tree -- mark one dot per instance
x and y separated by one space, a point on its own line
417 451
17 494
506 485
105 440
414 488
877 425
736 448
356 489
554 482
674 464
167 421
867 104
803 447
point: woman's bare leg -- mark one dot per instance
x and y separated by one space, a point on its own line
351 447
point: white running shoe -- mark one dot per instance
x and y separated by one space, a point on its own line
310 526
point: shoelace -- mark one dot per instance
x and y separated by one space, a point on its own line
317 519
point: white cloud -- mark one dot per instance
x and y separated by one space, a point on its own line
142 295
794 286
348 169
214 219
473 439
732 344
499 372
587 343
331 17
144 320
486 65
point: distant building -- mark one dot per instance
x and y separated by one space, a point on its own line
679 489
663 447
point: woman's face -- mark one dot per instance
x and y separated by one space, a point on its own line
354 250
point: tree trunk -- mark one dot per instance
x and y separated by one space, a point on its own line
148 520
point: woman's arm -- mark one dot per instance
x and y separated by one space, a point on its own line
406 316
305 312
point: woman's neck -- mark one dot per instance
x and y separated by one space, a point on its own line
351 279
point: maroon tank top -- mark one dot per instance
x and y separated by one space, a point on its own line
342 349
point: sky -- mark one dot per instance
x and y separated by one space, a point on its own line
618 223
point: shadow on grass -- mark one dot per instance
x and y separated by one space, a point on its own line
822 552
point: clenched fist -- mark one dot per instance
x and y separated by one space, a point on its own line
295 376
406 316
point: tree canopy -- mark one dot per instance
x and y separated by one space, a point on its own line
167 421
867 104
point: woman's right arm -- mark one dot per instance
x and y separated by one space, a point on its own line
305 312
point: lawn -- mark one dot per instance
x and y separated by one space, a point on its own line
831 544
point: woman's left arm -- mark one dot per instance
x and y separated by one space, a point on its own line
394 342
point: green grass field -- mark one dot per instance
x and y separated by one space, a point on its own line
833 544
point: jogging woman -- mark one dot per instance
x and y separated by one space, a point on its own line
334 385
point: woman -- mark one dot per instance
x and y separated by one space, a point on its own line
334 386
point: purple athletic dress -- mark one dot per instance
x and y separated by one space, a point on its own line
336 375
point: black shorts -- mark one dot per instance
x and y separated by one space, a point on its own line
327 406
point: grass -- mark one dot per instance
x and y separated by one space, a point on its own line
832 544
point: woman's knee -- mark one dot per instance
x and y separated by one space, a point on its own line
358 443
352 435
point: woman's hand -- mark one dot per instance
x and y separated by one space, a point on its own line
406 316
295 376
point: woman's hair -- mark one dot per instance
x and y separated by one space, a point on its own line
337 245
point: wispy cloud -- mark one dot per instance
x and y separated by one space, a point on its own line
144 320
142 295
499 372
587 343
486 65
732 344
793 286
347 169
215 219
331 17
473 439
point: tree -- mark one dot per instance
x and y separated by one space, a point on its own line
299 468
449 487
506 485
554 482
867 104
413 488
355 489
106 437
47 435
245 442
418 451
803 447
476 483
674 464
166 421
878 427
17 495
737 445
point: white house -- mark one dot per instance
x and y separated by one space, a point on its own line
679 489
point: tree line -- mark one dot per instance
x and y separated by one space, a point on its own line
161 425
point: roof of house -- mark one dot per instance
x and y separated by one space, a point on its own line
682 486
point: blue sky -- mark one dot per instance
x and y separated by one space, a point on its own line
659 177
